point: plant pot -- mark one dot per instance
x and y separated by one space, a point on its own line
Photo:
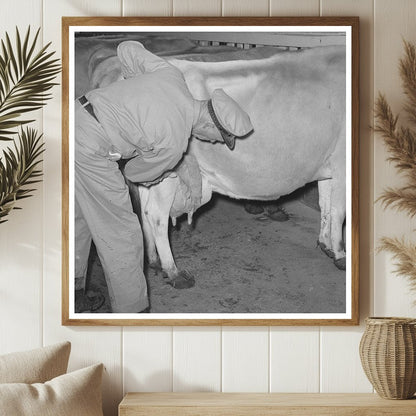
388 356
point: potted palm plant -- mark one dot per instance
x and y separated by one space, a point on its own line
26 78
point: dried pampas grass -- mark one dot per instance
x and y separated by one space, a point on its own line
401 144
405 255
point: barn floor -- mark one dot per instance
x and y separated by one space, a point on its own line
246 263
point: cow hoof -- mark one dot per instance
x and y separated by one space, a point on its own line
326 250
340 263
277 214
184 280
253 207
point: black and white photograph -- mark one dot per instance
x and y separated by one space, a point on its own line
211 173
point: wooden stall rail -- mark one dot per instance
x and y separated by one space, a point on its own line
262 404
281 40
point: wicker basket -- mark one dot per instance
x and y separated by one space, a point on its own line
388 356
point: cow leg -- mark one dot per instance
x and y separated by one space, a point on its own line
337 220
338 202
156 204
139 196
151 255
324 241
156 212
332 204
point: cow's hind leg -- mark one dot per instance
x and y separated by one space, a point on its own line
338 211
152 258
139 196
156 212
324 241
338 202
332 204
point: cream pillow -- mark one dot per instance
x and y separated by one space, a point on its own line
35 366
73 394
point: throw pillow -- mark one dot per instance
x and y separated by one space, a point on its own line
35 366
73 394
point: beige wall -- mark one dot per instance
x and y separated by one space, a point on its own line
261 359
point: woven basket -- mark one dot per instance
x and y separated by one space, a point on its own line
388 356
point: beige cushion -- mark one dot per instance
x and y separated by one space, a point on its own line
35 366
73 394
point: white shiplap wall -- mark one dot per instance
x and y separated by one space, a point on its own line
285 359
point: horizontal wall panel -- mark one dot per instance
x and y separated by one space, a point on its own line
341 370
147 7
147 359
294 8
196 359
245 8
245 359
196 8
294 360
20 13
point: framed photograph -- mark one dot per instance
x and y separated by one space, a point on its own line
210 171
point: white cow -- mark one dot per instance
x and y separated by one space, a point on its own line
296 102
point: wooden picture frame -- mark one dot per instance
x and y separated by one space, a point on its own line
244 33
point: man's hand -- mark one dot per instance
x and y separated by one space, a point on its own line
159 179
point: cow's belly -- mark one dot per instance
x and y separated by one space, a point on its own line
295 131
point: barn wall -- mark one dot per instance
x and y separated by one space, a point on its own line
308 359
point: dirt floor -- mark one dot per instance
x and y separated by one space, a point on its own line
245 263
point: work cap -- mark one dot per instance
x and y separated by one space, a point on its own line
231 120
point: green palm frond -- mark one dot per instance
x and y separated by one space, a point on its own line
19 169
26 77
25 80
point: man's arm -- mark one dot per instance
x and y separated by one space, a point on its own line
136 59
148 169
